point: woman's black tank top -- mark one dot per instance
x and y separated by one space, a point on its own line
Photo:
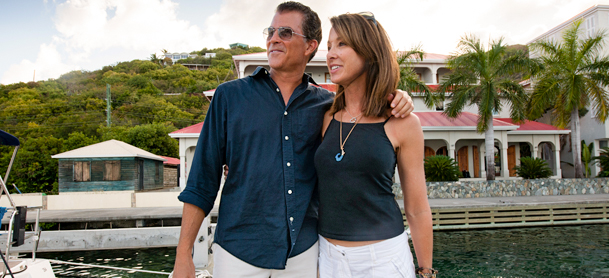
356 201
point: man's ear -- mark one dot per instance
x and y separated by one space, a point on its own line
311 46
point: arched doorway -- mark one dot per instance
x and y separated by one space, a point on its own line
442 151
463 159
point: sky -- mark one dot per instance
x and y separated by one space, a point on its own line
43 39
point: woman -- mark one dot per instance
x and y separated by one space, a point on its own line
360 224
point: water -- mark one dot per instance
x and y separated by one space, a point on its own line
566 251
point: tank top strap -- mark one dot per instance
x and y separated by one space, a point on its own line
387 119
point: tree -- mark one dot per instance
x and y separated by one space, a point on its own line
574 75
409 81
603 161
481 77
155 59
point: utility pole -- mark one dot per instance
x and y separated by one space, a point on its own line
108 107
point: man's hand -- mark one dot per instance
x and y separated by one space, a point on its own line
401 103
183 267
192 217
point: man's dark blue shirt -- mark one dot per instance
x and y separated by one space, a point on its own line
266 212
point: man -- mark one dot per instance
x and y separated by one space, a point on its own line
266 128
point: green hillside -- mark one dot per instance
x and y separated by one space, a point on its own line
149 99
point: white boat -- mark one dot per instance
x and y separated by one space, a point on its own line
11 265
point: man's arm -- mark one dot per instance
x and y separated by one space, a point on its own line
192 217
203 183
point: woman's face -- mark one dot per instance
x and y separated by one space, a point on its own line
344 64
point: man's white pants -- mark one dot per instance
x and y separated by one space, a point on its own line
303 265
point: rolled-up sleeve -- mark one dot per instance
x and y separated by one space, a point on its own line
206 169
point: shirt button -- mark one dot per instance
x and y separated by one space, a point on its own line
285 113
289 191
287 138
291 218
277 90
289 164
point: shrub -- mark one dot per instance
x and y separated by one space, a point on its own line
441 168
533 168
603 161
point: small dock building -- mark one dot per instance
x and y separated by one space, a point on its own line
109 166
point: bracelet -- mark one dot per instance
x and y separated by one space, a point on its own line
433 273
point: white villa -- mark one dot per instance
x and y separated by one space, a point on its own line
595 19
456 138
178 56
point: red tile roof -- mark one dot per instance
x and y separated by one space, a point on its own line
329 86
170 160
465 119
530 125
196 128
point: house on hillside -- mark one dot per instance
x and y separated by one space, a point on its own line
178 56
456 138
109 166
594 19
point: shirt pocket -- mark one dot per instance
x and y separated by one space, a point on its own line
308 124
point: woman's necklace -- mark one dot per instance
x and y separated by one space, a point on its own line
353 119
339 156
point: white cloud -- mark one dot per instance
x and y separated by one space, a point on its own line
95 33
141 25
437 24
49 64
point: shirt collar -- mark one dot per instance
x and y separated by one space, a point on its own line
261 71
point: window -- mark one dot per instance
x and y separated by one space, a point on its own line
176 57
602 143
328 78
157 174
112 170
82 171
440 106
184 56
590 26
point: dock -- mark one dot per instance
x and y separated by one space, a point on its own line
505 212
116 228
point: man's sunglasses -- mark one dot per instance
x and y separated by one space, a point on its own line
368 16
285 33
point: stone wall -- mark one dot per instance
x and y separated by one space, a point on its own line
510 188
170 176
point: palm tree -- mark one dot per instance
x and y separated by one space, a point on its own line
155 59
574 75
481 76
409 81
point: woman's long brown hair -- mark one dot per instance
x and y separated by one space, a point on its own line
369 39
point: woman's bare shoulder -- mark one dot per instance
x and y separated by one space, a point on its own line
409 123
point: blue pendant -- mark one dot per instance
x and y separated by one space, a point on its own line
339 157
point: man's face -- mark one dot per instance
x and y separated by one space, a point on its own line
291 54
